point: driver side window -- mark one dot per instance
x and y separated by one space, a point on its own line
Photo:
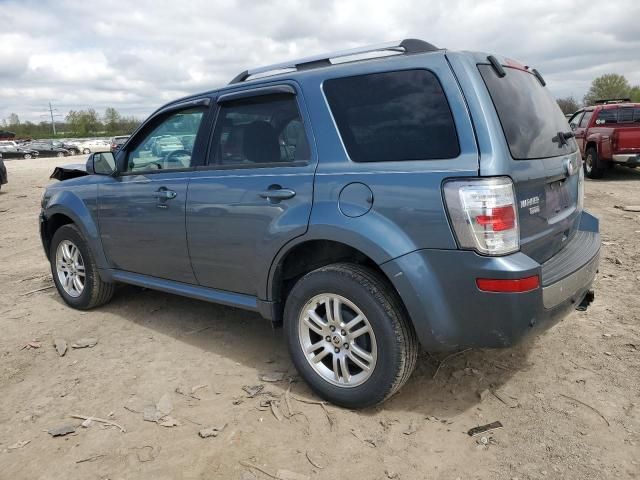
169 145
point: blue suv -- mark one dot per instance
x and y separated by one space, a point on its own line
371 201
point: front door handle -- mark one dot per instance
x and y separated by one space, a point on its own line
278 194
165 194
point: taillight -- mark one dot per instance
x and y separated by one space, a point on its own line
483 214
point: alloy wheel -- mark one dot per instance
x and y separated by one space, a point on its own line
70 268
337 340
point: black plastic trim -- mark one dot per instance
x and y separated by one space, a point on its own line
539 77
257 92
496 66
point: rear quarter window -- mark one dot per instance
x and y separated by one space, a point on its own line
393 116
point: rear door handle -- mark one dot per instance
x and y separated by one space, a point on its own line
278 194
165 194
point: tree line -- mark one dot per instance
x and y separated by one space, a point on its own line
608 86
77 123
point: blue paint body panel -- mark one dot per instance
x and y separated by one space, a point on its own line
219 240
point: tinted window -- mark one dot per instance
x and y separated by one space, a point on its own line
162 148
629 114
585 120
393 116
607 116
530 116
260 130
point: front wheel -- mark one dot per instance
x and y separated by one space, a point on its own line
74 270
86 151
26 156
60 154
349 336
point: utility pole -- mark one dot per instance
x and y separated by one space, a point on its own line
52 113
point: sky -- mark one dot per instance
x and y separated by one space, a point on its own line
137 55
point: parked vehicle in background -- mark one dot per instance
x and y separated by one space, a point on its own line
13 152
117 142
396 196
162 145
4 179
71 147
9 143
608 133
95 145
46 149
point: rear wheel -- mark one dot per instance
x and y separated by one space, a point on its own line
60 154
86 151
349 336
74 270
592 168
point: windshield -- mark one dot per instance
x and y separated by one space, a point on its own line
530 117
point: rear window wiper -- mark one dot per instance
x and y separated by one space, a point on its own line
562 138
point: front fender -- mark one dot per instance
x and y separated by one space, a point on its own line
80 206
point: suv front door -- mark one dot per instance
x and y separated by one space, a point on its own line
141 211
255 193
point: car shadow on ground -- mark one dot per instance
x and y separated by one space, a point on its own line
443 385
618 173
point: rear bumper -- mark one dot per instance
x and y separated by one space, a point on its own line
438 288
628 158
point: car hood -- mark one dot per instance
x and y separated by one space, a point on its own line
65 172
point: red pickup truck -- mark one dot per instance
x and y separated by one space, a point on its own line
607 133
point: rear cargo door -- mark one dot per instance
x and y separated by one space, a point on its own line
543 164
627 133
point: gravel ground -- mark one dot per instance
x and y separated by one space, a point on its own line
568 399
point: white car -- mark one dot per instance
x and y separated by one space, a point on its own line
92 146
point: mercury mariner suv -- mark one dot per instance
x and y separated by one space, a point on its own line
371 201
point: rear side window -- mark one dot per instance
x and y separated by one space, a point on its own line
607 116
393 116
260 130
530 116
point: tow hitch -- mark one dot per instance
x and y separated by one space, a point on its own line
586 301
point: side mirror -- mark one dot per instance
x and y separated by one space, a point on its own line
101 163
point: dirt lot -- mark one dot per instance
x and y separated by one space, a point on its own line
569 399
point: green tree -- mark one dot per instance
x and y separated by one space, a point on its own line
634 94
13 119
608 86
568 105
83 122
112 120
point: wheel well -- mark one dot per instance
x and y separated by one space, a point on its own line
53 224
311 255
589 145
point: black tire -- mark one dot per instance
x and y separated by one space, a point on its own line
86 151
397 344
96 292
60 154
592 167
27 156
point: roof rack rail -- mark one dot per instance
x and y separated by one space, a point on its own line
607 101
406 46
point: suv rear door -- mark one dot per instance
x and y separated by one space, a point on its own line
255 193
542 163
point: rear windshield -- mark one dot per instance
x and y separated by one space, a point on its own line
619 115
530 116
393 116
